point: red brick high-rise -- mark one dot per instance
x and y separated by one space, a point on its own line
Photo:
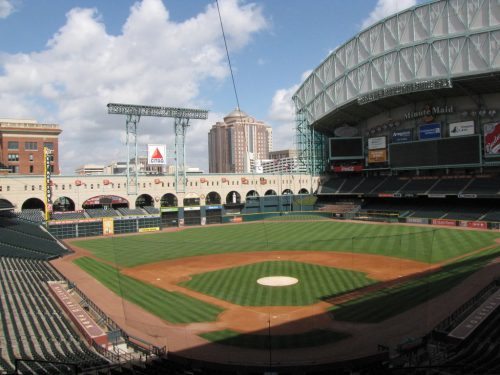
22 143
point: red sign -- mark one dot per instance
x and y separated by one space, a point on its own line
203 180
477 224
78 182
244 181
492 139
106 182
348 168
386 195
157 181
446 222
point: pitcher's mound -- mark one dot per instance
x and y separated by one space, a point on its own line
277 281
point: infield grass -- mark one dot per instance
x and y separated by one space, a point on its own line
239 284
171 306
423 244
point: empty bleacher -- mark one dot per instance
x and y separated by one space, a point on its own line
391 185
21 239
130 211
368 184
483 185
34 215
350 184
67 216
450 186
418 185
331 186
33 325
478 352
151 210
101 212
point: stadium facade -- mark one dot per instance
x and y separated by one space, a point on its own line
421 83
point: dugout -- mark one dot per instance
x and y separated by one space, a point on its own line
213 214
192 215
169 216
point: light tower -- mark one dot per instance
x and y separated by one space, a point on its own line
181 122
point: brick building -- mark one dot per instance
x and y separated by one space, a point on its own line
22 143
233 143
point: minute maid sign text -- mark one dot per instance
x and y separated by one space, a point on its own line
157 154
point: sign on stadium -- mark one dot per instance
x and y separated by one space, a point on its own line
376 143
377 156
157 154
402 136
461 128
492 139
430 131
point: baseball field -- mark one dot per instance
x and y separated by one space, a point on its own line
343 271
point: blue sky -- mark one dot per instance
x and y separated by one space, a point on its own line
62 60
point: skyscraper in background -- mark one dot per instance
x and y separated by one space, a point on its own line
233 143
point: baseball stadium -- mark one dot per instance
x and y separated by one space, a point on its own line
382 256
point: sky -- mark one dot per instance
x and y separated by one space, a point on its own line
62 61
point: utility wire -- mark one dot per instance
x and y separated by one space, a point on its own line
227 54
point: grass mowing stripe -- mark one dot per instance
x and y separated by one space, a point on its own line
239 284
417 243
253 341
172 306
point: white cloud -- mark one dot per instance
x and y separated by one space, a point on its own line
385 8
153 61
282 115
6 8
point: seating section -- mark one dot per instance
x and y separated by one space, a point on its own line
34 215
67 216
151 210
418 186
483 185
479 353
130 211
331 186
33 326
492 215
450 186
368 184
391 185
101 212
21 239
466 213
349 184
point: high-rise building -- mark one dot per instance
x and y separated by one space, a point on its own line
22 143
233 143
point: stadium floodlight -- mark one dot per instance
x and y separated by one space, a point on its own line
181 122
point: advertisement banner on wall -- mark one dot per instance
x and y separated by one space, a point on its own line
108 226
376 143
492 139
377 156
417 220
157 154
445 222
461 128
399 136
429 131
474 224
347 168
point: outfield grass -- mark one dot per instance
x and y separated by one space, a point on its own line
313 338
239 284
390 302
411 242
171 306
